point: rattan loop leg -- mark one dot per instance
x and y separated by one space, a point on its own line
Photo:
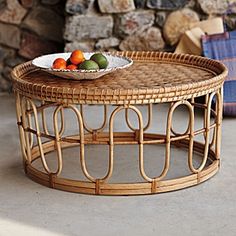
57 140
45 128
20 125
81 134
24 127
219 99
149 120
99 129
97 186
25 164
29 121
154 186
52 180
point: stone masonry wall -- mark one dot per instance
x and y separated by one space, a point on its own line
28 28
137 24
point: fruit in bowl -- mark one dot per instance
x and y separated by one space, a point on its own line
88 65
77 61
76 57
100 59
80 65
71 67
59 63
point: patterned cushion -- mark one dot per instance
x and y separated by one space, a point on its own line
222 47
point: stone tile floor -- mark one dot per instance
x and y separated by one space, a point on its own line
27 208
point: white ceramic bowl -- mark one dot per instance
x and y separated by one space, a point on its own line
114 63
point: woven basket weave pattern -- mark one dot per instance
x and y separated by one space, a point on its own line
154 77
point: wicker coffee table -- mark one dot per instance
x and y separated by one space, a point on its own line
177 80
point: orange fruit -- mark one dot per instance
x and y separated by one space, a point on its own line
59 63
71 67
77 57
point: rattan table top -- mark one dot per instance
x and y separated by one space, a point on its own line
153 78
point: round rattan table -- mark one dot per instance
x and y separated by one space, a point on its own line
155 77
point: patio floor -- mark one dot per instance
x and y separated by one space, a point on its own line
27 208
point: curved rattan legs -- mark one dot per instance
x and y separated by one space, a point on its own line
21 127
149 119
37 139
94 130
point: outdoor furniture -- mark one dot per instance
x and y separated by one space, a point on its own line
155 77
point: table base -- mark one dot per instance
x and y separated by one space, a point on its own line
104 188
37 141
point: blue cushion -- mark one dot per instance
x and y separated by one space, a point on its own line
222 47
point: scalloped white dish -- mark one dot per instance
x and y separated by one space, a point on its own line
114 63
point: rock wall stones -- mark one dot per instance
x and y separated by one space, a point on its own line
177 23
150 39
166 4
79 6
10 35
113 25
134 22
28 28
114 6
214 7
13 12
88 27
137 24
46 22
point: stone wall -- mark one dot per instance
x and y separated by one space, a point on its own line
137 24
28 28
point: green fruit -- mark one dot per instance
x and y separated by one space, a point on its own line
100 60
88 65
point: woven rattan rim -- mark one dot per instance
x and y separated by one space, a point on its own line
154 77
